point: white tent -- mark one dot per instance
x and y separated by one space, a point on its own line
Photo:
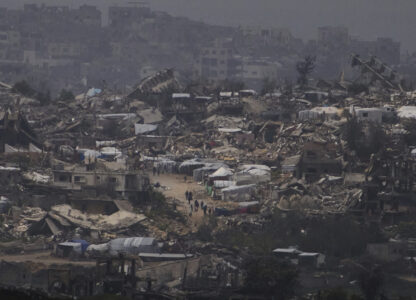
221 172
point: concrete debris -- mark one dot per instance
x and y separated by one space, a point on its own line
153 186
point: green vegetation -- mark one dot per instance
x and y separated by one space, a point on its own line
159 208
267 276
337 236
26 90
337 294
304 69
23 88
66 95
204 232
364 140
407 229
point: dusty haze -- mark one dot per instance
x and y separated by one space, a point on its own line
367 19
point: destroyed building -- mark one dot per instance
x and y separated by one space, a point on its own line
129 184
185 162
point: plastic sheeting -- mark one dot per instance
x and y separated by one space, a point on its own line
133 245
144 128
221 172
241 193
93 92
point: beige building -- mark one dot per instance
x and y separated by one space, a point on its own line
123 183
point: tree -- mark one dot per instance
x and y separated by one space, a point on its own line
410 127
66 95
371 282
43 97
23 88
305 68
364 138
266 275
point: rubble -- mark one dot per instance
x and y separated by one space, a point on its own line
108 176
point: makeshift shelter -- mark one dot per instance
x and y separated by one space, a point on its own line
200 173
133 245
68 249
242 193
166 165
188 166
221 174
253 174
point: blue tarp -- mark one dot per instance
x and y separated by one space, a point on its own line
84 244
93 91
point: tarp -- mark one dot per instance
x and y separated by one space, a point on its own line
229 130
76 247
151 115
407 112
98 249
181 95
221 172
90 154
93 92
110 151
36 177
219 184
5 204
132 245
121 116
84 244
242 193
208 168
144 128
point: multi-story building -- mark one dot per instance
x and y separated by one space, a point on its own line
129 184
127 15
216 62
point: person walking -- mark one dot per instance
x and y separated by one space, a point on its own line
187 196
196 205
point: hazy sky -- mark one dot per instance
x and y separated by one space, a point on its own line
365 18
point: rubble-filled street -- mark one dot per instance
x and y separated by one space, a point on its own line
216 188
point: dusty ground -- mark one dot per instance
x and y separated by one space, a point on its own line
174 186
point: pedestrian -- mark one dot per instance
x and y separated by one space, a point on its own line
196 205
209 211
205 210
190 211
154 170
202 204
192 207
184 178
187 195
190 196
158 171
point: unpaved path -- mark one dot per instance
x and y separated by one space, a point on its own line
174 186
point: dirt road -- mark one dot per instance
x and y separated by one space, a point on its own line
174 186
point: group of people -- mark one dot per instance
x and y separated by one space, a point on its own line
195 205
